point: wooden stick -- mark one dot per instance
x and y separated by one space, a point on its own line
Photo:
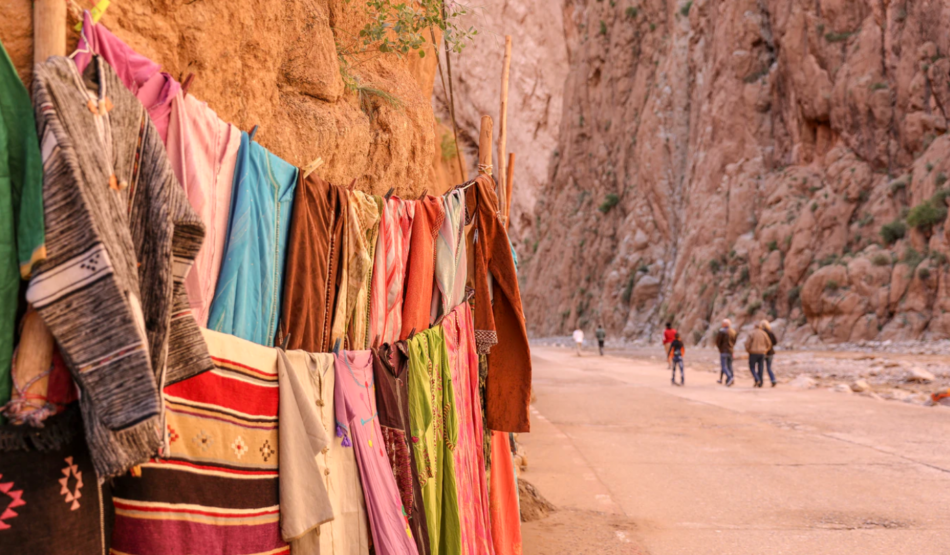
509 185
503 132
49 29
35 351
484 146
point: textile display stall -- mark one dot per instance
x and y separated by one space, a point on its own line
224 354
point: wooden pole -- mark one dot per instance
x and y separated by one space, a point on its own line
49 29
503 132
35 351
510 186
484 146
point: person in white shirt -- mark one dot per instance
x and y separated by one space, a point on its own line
579 340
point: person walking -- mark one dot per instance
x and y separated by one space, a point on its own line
757 345
579 340
767 328
675 355
669 334
726 343
601 337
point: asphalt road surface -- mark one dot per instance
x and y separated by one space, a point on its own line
635 465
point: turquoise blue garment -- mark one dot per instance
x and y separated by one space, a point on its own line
247 298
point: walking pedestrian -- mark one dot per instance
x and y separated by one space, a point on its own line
669 334
601 337
767 328
579 340
757 345
726 343
675 355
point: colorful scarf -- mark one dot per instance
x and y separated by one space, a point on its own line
389 271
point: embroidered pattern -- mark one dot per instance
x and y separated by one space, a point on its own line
16 500
398 452
72 494
203 440
239 447
172 434
267 451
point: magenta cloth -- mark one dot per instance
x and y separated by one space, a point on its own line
459 330
356 420
203 150
154 89
151 537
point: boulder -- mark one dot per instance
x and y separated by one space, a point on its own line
842 388
860 386
803 382
917 374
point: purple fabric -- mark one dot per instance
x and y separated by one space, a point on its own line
357 418
180 537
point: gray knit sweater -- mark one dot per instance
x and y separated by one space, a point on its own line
121 237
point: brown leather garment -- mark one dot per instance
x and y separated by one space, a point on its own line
312 273
498 314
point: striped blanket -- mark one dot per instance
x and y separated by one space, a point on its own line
215 489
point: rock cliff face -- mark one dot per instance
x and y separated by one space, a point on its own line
781 159
275 65
538 69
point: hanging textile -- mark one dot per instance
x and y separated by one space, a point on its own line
469 459
314 252
247 299
215 491
389 270
203 151
450 259
498 314
368 213
348 532
21 206
505 512
155 89
51 498
121 238
420 275
355 260
390 368
434 421
357 421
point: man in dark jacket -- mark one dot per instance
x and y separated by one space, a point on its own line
726 342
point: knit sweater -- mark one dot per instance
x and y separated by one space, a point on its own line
120 240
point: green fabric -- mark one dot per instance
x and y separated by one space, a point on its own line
21 205
434 422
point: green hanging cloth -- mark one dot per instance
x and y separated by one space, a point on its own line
22 234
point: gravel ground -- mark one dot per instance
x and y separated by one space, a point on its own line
907 371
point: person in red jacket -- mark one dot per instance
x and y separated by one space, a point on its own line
669 334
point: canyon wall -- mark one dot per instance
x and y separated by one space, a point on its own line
276 65
781 159
538 69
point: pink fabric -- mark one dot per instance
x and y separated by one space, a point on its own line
472 484
389 269
203 150
142 76
358 422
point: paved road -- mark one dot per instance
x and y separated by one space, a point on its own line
636 465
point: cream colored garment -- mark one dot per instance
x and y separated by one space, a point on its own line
304 502
368 211
348 532
363 215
